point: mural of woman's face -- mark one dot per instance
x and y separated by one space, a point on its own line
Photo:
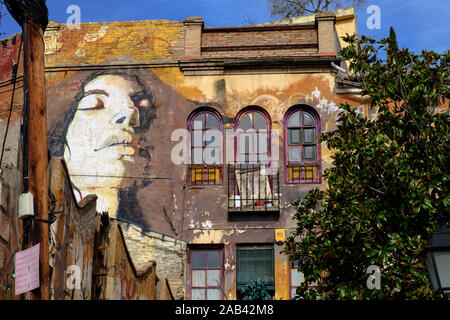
101 138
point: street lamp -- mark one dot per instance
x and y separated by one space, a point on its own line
437 258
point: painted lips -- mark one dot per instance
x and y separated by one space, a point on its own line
123 139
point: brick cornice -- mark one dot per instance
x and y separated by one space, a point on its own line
260 47
279 27
207 67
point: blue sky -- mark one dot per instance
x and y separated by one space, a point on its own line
419 24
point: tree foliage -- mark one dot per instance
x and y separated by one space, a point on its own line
294 8
388 183
256 290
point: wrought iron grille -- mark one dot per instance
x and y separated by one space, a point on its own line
205 175
252 188
303 173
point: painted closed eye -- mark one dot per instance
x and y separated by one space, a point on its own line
90 105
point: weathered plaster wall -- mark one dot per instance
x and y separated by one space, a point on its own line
117 277
145 41
168 252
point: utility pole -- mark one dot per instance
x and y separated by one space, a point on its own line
32 15
36 97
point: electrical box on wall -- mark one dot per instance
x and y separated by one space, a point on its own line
26 208
280 236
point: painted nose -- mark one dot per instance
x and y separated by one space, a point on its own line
127 117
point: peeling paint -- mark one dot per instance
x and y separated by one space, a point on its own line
95 36
80 53
207 224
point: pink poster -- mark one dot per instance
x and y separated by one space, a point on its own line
27 269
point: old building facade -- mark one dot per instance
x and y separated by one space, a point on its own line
195 139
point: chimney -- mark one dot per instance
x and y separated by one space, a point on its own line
326 33
193 37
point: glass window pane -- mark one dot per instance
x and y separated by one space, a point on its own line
197 155
309 135
211 141
309 153
269 267
262 143
198 121
260 121
294 136
294 154
308 120
213 278
212 156
243 266
262 158
296 277
294 120
213 259
246 143
198 278
198 259
442 259
198 294
211 121
213 294
197 138
212 137
245 122
255 264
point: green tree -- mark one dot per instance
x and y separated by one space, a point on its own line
294 8
256 290
388 183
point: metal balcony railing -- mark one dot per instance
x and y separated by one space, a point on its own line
303 173
253 188
204 175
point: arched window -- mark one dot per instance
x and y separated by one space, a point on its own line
252 136
205 126
302 148
251 180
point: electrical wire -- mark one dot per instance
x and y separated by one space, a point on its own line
14 80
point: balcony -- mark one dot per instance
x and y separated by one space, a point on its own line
253 192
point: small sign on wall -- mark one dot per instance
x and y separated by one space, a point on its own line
27 270
280 236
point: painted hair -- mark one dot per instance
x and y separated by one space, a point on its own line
57 141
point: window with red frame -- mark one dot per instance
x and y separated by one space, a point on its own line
206 274
252 177
302 152
205 127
